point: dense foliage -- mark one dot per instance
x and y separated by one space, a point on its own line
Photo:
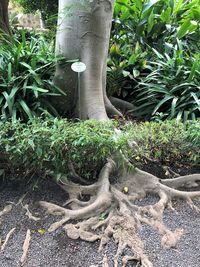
154 55
171 84
156 44
48 9
49 146
169 142
27 63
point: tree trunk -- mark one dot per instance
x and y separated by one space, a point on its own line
83 33
4 20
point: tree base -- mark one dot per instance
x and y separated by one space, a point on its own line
111 210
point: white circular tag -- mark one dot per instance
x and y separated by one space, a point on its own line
78 67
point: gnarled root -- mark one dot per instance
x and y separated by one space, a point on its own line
101 202
116 214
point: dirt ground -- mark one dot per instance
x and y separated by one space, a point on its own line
57 250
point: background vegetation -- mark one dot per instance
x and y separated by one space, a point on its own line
27 64
48 9
153 62
154 57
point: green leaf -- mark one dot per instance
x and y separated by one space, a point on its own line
187 26
150 22
164 100
35 88
132 59
136 73
9 72
149 5
2 172
179 116
194 68
26 109
173 106
197 100
165 15
13 92
138 4
31 143
185 116
8 102
1 99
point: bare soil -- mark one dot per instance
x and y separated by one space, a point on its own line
57 250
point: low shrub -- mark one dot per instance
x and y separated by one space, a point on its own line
44 146
168 142
51 145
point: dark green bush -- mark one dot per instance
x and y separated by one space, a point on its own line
27 63
172 86
140 28
193 134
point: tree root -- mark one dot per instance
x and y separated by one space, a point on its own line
6 210
29 214
183 181
7 238
115 213
111 109
25 247
122 105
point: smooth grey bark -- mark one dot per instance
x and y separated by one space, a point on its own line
83 33
4 21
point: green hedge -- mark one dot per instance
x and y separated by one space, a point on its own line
44 146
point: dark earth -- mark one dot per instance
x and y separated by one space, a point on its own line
57 250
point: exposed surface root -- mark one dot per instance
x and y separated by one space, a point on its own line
25 247
7 238
113 212
29 214
183 181
101 202
122 105
6 210
111 109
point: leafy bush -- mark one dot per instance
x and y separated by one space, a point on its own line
168 142
44 146
139 27
26 65
171 87
125 65
153 23
53 144
193 134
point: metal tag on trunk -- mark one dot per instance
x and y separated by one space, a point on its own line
78 67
